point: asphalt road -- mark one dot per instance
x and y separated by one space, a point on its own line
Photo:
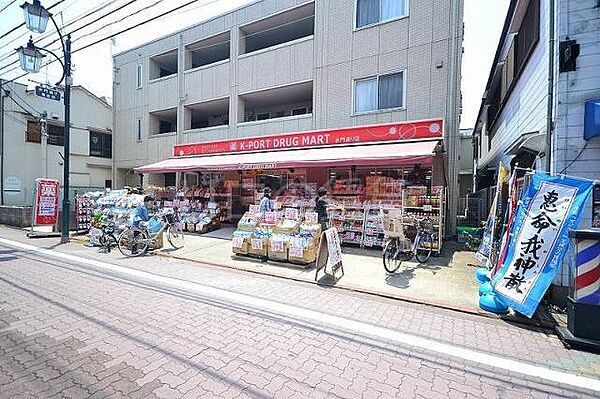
76 323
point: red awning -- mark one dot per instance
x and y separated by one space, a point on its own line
360 155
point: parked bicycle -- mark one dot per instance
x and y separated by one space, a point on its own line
108 240
398 248
135 241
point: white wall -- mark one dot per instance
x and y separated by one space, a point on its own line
23 160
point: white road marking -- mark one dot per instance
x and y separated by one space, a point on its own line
403 339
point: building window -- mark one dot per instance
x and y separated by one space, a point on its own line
379 93
138 133
139 76
34 132
369 12
528 36
56 135
170 179
100 145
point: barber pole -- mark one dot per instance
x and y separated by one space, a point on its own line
587 272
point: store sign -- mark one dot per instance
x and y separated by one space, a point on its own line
48 93
46 201
551 207
389 132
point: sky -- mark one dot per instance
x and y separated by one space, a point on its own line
93 66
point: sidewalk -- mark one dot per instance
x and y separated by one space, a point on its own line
446 280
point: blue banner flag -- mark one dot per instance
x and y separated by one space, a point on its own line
551 206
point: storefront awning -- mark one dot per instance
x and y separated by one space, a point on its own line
360 155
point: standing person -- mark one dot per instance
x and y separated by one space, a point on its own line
266 204
321 207
141 215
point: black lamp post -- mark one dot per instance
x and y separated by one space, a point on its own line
30 57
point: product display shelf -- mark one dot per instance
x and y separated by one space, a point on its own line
349 221
415 203
373 235
83 212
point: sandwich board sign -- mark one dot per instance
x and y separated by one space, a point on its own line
329 254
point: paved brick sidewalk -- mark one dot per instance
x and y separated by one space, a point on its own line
71 331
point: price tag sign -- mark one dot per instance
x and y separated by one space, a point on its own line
297 252
254 209
271 217
311 217
291 213
427 208
257 244
199 226
237 242
277 245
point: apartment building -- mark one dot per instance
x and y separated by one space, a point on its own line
541 45
33 139
282 66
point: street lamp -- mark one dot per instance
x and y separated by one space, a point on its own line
36 16
30 57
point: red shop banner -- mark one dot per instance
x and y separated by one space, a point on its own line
402 131
46 201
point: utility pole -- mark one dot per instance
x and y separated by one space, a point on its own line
66 205
2 142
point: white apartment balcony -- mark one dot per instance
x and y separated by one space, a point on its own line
162 93
277 50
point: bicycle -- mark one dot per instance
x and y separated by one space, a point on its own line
398 248
108 239
134 241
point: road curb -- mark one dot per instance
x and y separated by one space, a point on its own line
546 325
441 305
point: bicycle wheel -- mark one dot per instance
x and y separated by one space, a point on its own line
108 241
391 262
175 236
133 243
424 247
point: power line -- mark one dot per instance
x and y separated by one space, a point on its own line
8 55
23 24
10 95
8 5
118 33
49 34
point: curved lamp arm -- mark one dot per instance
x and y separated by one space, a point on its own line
59 60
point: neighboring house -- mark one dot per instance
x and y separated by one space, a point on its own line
29 154
513 118
278 66
465 172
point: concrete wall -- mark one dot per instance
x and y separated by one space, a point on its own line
426 46
25 160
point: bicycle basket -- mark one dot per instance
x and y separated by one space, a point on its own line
170 218
392 223
426 225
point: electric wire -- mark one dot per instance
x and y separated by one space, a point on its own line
574 159
10 54
10 95
46 35
8 5
23 24
115 34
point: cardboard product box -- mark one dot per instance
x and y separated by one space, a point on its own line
309 255
278 255
242 249
258 247
191 227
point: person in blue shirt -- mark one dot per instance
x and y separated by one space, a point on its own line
266 204
141 212
141 215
